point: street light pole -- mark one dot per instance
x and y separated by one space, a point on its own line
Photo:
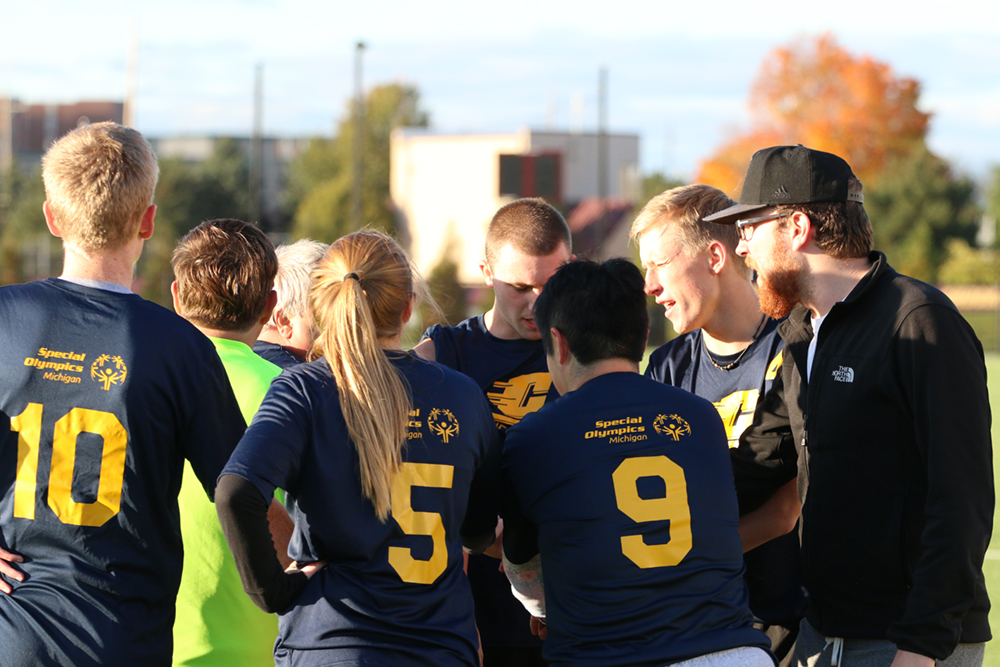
359 138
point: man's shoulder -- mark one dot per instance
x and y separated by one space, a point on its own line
471 328
276 354
240 361
675 348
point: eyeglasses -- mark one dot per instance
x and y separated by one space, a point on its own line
746 227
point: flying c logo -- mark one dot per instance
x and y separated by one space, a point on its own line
518 396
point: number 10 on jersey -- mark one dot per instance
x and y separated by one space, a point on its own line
28 426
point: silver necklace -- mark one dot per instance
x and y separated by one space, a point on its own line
731 365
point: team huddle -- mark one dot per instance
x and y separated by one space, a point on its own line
802 477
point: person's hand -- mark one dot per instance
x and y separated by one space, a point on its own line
538 627
909 659
8 570
495 550
309 569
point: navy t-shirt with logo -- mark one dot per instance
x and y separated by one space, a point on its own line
624 487
515 379
103 395
774 570
393 592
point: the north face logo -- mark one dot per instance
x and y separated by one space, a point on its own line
844 374
781 193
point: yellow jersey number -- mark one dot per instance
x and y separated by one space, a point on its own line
673 507
28 426
408 568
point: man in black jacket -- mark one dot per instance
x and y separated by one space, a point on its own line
882 412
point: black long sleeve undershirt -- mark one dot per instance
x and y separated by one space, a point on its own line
243 515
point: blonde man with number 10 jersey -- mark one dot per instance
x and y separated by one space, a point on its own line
102 397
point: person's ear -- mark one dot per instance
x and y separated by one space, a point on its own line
272 301
801 230
146 224
560 346
408 310
484 266
176 298
282 323
50 220
717 254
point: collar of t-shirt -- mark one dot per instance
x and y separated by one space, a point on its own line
96 284
817 322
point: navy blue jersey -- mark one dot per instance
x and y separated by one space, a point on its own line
102 397
514 376
512 373
684 362
276 354
624 487
774 571
393 589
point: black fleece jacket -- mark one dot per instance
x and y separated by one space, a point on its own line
890 441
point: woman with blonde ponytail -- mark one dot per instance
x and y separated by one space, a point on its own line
390 465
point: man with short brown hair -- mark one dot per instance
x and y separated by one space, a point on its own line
224 273
502 351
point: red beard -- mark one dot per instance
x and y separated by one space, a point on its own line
782 285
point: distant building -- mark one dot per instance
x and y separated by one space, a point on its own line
446 188
27 130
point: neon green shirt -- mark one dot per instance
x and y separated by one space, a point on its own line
216 623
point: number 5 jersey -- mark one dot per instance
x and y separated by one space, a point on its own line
103 395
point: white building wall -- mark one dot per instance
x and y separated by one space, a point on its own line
445 189
580 154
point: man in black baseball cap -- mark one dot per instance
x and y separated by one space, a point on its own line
881 410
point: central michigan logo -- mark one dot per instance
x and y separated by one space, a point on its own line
518 396
108 370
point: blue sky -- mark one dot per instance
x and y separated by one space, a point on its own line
679 73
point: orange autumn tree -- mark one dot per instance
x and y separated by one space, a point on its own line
813 92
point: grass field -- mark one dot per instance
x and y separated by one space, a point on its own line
992 565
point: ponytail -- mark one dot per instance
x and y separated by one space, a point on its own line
360 292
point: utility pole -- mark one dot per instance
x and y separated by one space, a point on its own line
602 157
359 139
257 147
131 77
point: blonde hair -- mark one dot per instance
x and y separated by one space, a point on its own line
683 210
360 292
99 180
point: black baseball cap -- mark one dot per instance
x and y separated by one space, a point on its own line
790 175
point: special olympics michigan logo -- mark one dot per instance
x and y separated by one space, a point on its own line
108 370
672 425
443 423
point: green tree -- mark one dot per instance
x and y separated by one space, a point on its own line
993 201
920 204
187 195
321 178
965 265
656 183
22 227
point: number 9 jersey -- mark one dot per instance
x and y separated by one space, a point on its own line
625 489
102 397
